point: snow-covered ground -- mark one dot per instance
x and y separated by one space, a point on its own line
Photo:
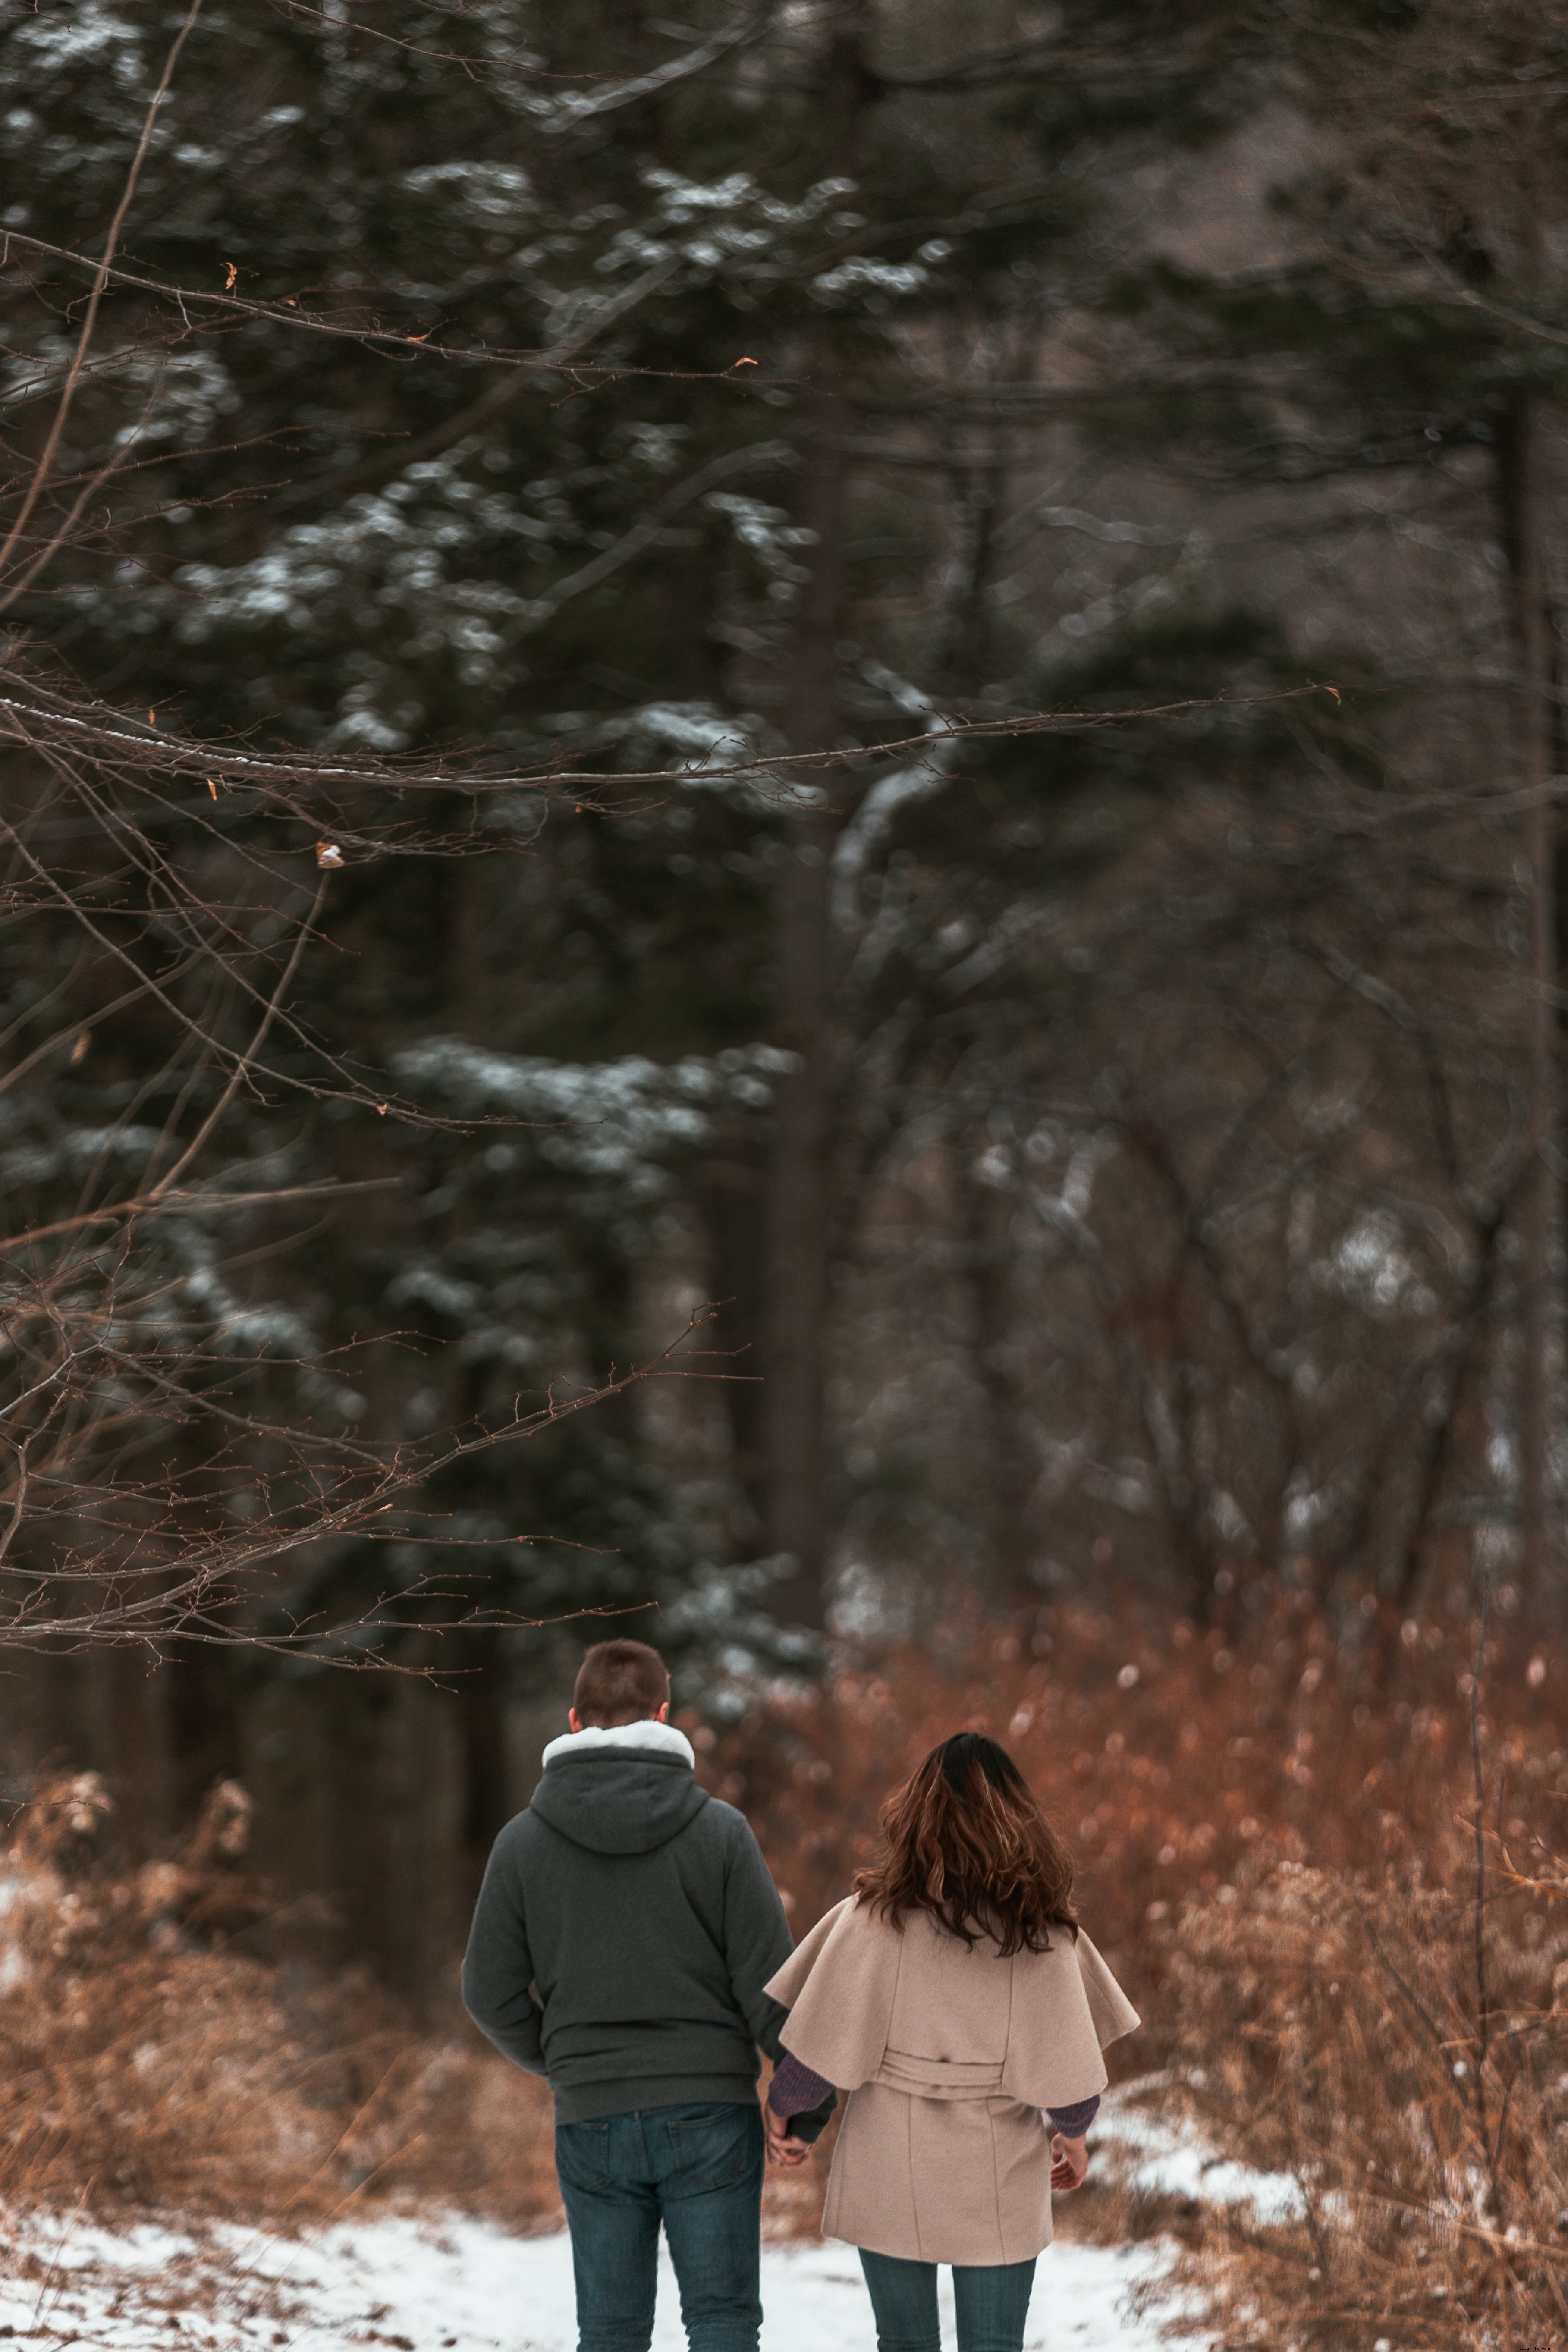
448 2284
463 2286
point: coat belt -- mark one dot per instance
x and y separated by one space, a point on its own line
939 2078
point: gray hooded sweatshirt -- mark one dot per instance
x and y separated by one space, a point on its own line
625 1930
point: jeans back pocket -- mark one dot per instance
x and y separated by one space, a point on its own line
714 2146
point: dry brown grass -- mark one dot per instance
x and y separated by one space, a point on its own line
1278 1856
1401 2054
1280 1859
1174 1761
154 2063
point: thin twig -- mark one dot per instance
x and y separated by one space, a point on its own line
245 1062
101 278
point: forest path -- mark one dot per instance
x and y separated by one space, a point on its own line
461 2286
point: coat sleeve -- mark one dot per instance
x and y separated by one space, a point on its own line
497 1967
756 1936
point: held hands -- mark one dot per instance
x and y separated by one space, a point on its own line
781 2147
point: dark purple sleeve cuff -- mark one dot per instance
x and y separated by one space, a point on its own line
794 2089
1073 2122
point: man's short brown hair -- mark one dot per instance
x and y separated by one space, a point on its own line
620 1682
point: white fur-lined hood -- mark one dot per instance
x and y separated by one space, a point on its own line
650 1738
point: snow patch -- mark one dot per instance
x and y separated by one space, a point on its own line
467 2286
1158 2158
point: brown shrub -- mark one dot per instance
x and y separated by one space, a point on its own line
1170 1758
153 2062
1278 1857
1396 2050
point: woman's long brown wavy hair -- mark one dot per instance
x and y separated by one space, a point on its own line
967 1843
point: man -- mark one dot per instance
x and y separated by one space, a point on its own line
624 1933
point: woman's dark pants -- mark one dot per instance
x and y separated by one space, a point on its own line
697 2169
993 2300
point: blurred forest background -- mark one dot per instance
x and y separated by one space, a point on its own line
781 849
883 669
1107 1083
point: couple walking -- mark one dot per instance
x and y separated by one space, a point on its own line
629 1943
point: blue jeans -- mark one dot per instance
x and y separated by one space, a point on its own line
699 2170
993 2300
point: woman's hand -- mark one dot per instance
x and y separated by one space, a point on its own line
1069 2162
781 2147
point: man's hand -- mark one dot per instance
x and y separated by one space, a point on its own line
781 2148
1069 2162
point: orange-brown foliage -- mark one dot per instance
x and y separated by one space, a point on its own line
160 2055
1279 1857
1171 1759
1276 1853
1353 2036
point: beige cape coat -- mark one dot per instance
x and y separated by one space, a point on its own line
949 2055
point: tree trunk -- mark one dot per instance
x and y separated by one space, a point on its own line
1011 1464
801 1178
482 1699
961 654
732 1200
800 1197
1521 488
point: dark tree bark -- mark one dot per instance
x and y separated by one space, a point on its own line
732 1200
801 1192
800 1200
1012 1465
1521 491
482 1695
961 653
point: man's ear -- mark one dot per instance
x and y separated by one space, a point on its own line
572 1718
662 1717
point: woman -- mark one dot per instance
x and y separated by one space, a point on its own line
955 1998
